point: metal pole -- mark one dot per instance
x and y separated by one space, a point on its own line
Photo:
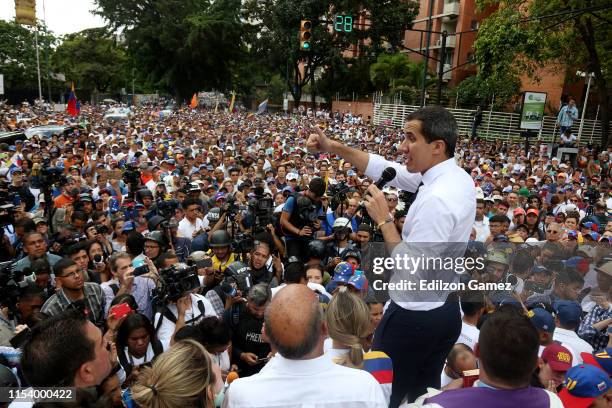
40 98
442 57
490 112
584 105
457 98
594 124
133 94
428 40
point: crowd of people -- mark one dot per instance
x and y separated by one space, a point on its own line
149 262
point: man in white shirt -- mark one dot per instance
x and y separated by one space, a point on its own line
481 224
442 211
473 307
300 375
567 319
192 224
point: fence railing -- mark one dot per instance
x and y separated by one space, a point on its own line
495 125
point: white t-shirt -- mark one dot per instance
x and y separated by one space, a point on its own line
186 228
469 335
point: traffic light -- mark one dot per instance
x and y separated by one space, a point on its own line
305 35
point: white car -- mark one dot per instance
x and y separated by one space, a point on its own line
118 114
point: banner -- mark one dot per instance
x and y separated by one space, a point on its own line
25 12
532 112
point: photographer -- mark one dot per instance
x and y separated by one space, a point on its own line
21 188
250 351
220 246
180 245
124 282
299 217
187 310
340 242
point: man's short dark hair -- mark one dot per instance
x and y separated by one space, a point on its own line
295 273
437 123
499 218
26 223
317 186
76 248
134 244
79 215
569 276
191 201
508 347
472 302
57 348
61 265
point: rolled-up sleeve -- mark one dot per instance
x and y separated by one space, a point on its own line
404 180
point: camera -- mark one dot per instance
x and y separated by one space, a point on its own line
176 280
242 243
338 194
12 282
167 208
236 277
141 270
592 195
102 229
131 175
52 175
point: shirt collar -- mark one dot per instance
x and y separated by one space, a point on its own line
313 366
437 170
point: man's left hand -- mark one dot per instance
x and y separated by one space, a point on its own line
376 204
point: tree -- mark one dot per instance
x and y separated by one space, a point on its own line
273 34
394 70
93 60
18 54
184 45
476 90
522 36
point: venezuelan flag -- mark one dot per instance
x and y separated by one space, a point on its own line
379 365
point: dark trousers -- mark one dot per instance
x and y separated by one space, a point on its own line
418 343
297 248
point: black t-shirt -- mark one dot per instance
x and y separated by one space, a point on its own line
246 338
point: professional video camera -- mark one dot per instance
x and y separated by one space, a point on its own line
592 195
12 282
167 208
261 208
231 208
7 205
52 175
338 194
236 277
131 175
176 280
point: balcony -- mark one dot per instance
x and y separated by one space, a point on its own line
451 42
450 11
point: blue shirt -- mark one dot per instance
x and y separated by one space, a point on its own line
567 116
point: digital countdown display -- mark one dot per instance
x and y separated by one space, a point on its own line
343 24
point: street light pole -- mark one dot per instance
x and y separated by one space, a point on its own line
586 100
40 98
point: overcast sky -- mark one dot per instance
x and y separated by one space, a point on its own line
62 16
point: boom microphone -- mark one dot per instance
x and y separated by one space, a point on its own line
387 175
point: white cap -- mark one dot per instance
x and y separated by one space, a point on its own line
342 222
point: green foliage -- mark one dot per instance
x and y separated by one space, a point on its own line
476 90
509 44
394 70
183 45
18 54
93 60
272 33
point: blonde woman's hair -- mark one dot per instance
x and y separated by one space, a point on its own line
348 321
179 378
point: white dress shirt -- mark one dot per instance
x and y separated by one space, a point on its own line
577 345
317 382
443 212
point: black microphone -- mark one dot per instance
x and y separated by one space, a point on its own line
387 175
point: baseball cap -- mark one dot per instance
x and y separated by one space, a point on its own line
497 197
342 222
359 282
128 226
577 262
568 312
557 357
219 196
601 359
540 269
351 254
583 384
542 320
533 211
518 211
292 176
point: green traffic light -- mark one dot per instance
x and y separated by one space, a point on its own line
306 45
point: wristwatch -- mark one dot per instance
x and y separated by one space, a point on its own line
386 221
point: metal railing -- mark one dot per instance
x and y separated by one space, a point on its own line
495 125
